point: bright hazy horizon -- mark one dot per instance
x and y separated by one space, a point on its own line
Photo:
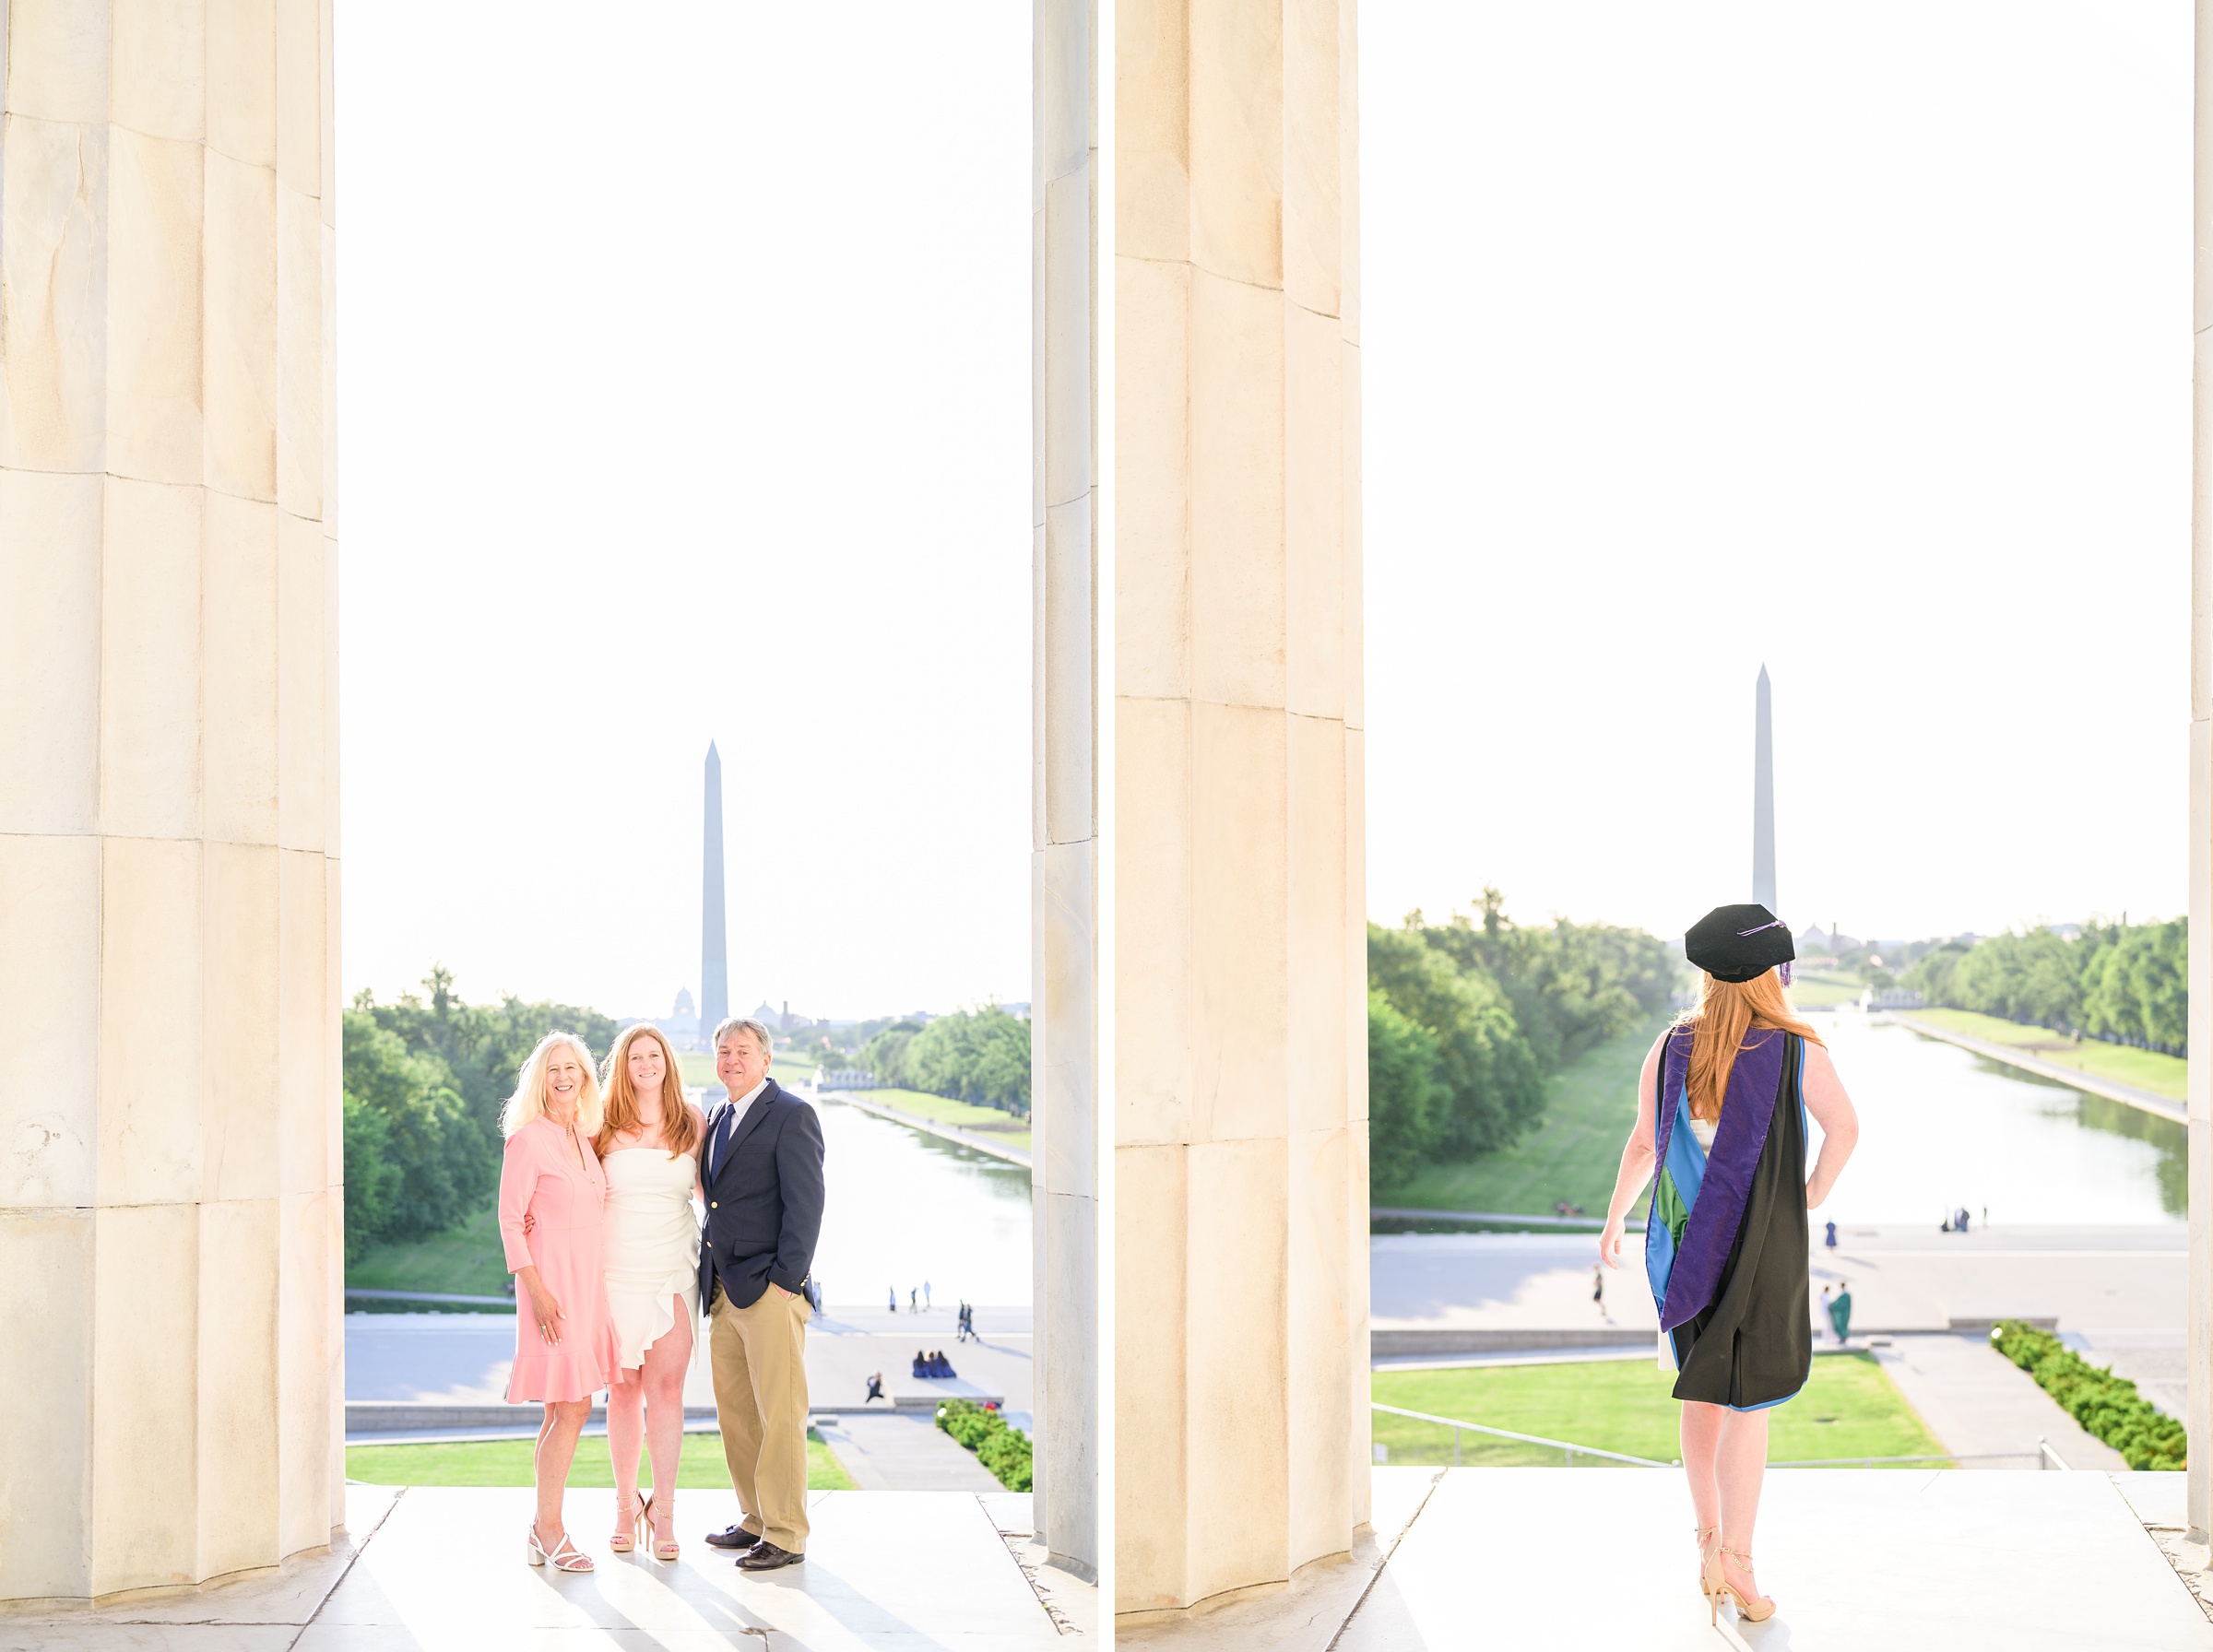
684 395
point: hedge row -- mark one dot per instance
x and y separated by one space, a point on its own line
2106 1404
1005 1451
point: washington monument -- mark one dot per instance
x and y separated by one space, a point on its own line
1763 802
714 945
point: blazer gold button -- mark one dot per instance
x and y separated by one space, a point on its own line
713 1206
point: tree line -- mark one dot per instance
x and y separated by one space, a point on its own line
425 1080
2122 983
981 1056
1466 1019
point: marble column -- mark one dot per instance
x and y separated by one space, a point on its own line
2199 1420
170 1210
1064 887
1203 936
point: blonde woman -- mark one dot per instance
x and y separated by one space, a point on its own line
552 1199
649 1143
1720 1131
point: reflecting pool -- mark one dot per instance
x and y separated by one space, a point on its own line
1941 1127
904 1206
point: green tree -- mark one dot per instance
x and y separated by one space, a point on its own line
446 1164
982 1056
371 1179
1494 1089
885 1055
1572 985
1405 1097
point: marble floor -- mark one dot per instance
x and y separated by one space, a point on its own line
1906 1561
434 1569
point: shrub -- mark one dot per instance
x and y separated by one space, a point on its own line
1005 1451
2107 1405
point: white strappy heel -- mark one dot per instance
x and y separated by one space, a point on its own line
564 1555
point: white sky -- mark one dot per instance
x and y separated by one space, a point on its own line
685 395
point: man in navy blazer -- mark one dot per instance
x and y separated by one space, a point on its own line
761 1172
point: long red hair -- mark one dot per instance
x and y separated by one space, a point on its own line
680 1127
1725 1011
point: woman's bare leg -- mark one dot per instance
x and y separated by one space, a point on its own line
1740 1466
625 1433
663 1384
1701 1438
556 1450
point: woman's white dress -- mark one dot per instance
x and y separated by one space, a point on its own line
651 1245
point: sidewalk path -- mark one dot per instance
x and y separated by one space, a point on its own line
1975 1401
889 1452
2115 1282
972 1139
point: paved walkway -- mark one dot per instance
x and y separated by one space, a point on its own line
463 1358
2094 1281
1977 1401
438 1568
1906 1561
894 1453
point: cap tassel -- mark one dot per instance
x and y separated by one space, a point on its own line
1785 968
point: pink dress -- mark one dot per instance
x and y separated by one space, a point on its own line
539 1174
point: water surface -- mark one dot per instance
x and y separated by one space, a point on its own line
1940 1127
904 1206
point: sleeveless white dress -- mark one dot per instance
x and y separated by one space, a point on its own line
651 1245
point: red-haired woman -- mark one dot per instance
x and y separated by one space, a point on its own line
1720 1112
650 1146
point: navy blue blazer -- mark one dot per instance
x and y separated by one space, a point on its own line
764 1204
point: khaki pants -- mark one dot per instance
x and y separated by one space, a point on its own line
759 1355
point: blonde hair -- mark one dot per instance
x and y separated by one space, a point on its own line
528 1102
680 1126
1725 1011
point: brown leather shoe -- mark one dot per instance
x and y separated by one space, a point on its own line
732 1537
765 1556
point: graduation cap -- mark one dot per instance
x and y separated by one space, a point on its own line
1739 943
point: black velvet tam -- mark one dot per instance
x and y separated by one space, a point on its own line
1735 943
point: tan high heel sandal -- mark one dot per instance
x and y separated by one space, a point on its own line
1757 1609
663 1548
1707 1534
628 1534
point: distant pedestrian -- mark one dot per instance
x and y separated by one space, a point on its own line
875 1387
926 1294
1959 1220
1840 1310
894 1292
1832 1236
913 1300
1827 1294
1598 1286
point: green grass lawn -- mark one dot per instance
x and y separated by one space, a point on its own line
1824 992
1009 1127
466 1259
1571 1155
1847 1407
507 1463
2144 1069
